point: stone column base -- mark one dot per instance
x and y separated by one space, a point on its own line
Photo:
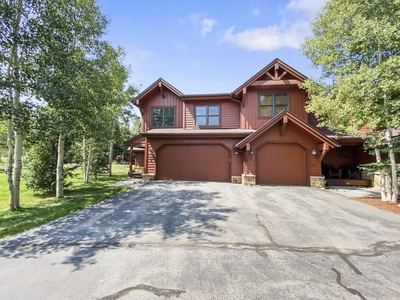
236 179
248 179
148 177
318 182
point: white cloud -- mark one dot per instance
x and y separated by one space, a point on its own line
311 6
290 31
268 38
256 12
207 26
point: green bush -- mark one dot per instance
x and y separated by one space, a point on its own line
41 166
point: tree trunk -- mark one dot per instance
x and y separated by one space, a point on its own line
393 171
84 161
13 73
60 168
382 175
88 165
110 158
393 189
17 167
9 164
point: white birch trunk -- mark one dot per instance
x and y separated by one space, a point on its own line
14 96
84 160
17 167
110 158
9 164
393 171
60 168
389 189
88 165
393 189
382 175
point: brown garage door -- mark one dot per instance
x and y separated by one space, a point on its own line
282 164
193 162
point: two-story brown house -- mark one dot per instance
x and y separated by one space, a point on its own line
261 131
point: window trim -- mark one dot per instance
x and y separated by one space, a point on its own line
208 115
273 104
163 116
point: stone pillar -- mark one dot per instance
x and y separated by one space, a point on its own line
318 182
248 179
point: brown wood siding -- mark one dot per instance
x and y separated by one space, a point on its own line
236 162
249 114
230 113
139 159
155 100
291 135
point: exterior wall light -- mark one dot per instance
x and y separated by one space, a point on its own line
251 152
313 151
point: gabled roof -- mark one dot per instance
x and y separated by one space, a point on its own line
275 73
295 120
135 140
158 84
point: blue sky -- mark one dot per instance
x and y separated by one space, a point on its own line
208 46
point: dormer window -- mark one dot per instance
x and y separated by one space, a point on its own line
207 115
163 117
271 104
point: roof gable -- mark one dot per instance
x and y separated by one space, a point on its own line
275 73
135 141
158 84
287 116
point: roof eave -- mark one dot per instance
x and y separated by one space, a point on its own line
294 119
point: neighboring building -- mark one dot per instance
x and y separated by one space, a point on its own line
260 132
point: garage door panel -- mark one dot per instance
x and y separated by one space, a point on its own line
282 164
193 162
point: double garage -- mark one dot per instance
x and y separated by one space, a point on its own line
281 164
193 162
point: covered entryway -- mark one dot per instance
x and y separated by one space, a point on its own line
193 162
282 164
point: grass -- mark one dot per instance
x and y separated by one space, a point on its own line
38 209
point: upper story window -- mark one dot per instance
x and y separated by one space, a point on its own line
163 117
272 104
207 115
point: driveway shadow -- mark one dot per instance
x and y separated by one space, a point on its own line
161 210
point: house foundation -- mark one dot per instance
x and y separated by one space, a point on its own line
147 177
236 179
318 182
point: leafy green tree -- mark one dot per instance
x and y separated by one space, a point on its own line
19 43
72 32
356 44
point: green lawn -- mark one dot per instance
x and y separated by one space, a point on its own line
38 209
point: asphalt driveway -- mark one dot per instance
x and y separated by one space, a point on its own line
197 240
